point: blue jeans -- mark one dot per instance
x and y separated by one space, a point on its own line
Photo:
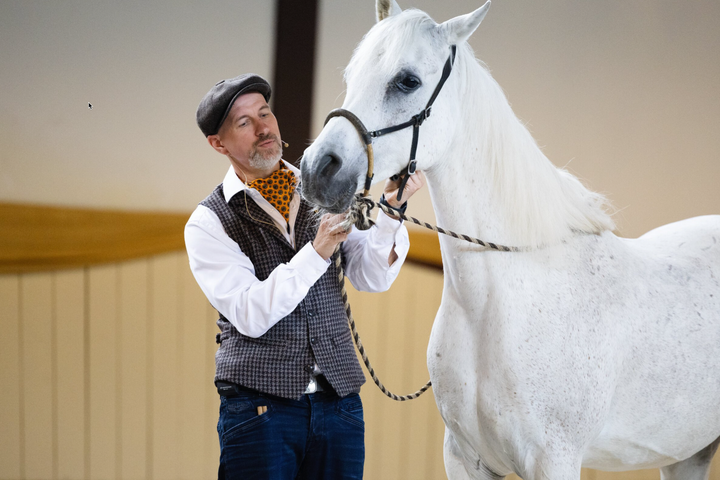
320 436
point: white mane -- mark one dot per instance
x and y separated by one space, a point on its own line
541 204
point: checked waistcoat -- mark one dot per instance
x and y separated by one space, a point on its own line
280 362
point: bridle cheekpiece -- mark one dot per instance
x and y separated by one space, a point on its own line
416 121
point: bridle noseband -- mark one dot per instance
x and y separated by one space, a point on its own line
416 121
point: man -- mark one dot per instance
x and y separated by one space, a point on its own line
286 368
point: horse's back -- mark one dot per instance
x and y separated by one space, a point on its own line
692 237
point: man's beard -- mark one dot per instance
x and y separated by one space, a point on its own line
263 160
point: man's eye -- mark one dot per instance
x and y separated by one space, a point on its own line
407 83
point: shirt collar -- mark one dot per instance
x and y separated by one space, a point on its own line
232 185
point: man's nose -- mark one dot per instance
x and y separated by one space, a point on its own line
262 128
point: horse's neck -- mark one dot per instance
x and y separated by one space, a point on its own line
499 186
480 196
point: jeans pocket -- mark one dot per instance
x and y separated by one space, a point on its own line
350 409
239 415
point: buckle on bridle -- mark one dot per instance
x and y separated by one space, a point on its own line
412 166
421 117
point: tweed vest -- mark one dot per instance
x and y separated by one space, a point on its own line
280 362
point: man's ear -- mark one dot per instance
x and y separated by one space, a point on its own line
216 143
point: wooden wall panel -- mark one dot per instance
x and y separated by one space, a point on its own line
11 438
395 327
426 425
165 367
394 323
69 367
715 468
587 474
36 324
133 372
104 455
44 238
194 381
365 314
434 442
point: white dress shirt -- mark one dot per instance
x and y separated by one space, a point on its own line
227 277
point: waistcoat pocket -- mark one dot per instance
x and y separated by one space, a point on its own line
264 349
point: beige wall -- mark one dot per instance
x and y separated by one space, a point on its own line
626 93
144 66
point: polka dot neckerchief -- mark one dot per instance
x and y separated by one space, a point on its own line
277 189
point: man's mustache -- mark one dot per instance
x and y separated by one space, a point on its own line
266 138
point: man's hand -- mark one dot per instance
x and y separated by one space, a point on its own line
329 234
415 183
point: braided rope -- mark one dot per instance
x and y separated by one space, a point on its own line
358 342
366 204
359 215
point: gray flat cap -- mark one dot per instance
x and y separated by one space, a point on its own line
216 104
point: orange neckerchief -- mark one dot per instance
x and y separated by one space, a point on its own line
277 189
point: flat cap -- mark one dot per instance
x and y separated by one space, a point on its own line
216 104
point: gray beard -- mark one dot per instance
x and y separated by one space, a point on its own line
260 162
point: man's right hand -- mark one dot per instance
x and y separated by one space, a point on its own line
329 234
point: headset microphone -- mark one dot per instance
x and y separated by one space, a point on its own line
285 144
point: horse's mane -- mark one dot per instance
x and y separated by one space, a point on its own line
541 203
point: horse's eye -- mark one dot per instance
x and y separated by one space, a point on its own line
407 83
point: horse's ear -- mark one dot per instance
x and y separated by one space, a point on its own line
386 8
459 29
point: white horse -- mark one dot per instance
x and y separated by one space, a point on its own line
584 350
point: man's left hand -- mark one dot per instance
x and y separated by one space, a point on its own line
415 183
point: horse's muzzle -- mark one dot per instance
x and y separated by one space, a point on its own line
326 185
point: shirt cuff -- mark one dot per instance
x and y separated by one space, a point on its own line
309 264
387 229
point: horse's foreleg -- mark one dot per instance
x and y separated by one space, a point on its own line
455 467
696 467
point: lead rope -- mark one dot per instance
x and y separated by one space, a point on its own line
359 216
358 342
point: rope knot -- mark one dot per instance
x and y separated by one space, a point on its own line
359 213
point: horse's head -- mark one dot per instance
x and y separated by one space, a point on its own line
390 78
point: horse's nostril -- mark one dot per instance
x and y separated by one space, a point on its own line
329 165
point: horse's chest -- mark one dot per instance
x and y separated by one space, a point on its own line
504 356
472 372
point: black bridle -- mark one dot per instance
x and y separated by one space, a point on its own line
414 122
